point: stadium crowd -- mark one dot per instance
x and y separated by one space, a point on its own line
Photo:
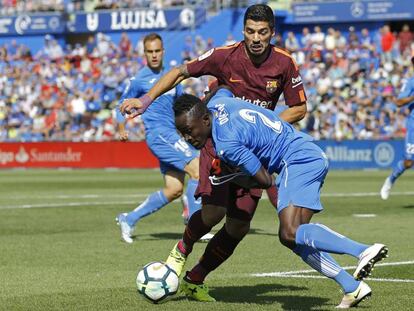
12 7
68 94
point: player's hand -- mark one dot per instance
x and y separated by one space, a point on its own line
134 107
123 135
131 107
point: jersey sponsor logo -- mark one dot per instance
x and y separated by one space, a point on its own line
235 80
296 81
152 80
221 114
271 86
205 55
257 102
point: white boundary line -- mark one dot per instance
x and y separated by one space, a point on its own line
303 273
136 195
66 204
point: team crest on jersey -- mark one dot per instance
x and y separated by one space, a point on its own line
271 86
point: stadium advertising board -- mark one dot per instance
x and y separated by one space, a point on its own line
144 19
362 154
33 24
352 11
77 155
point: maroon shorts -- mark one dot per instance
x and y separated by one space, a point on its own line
241 203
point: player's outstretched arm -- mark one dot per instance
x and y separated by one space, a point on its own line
404 101
137 106
294 113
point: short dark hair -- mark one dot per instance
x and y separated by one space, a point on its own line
260 13
151 37
189 103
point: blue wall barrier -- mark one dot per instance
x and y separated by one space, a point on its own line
362 154
351 11
144 19
33 24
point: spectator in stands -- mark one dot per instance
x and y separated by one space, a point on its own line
125 45
229 40
291 43
405 38
387 43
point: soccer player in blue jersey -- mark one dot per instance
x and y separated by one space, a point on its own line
406 97
259 143
176 157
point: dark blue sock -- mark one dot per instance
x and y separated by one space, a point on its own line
193 204
153 203
398 170
324 239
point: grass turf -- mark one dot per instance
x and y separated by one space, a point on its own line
60 247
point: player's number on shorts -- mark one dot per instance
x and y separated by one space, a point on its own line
181 145
410 148
250 116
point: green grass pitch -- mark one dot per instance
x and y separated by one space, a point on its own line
60 247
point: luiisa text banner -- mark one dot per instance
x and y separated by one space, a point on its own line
102 21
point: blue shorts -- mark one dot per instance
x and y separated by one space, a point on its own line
171 150
409 139
302 177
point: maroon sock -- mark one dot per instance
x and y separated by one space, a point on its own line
194 230
272 195
220 247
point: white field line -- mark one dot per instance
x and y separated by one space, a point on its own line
304 273
136 195
363 194
66 204
305 276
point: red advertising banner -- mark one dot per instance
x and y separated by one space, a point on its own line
77 155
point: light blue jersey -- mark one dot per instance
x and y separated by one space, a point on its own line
406 91
248 137
160 112
162 138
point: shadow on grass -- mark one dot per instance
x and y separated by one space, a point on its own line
177 236
159 236
266 294
262 232
408 206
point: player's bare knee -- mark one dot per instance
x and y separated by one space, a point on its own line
173 192
287 236
212 214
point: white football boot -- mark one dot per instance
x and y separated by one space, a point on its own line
368 259
353 299
126 230
386 188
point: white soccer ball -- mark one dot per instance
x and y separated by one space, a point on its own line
157 282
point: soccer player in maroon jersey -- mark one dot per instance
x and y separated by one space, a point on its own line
255 71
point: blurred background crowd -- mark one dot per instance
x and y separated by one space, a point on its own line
69 93
9 7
